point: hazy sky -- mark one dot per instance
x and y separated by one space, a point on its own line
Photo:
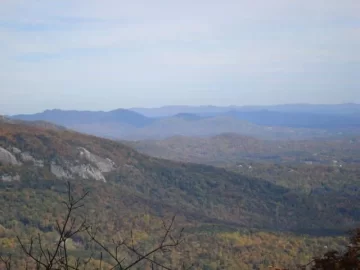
101 55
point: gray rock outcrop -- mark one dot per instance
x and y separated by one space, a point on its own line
86 171
26 157
7 158
59 171
10 178
103 164
16 150
89 165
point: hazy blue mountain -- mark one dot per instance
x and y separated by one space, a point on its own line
168 111
124 124
299 119
189 116
348 108
71 118
209 121
211 126
337 116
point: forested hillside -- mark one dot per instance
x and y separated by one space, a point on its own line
327 168
222 211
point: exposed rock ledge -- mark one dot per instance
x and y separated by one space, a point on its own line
93 170
103 164
59 171
90 166
26 157
10 178
85 171
7 158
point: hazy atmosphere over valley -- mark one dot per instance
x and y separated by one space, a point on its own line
203 135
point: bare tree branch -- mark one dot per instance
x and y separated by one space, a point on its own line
6 261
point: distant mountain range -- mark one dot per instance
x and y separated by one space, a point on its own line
73 117
299 119
166 111
267 122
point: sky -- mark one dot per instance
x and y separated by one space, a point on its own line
108 54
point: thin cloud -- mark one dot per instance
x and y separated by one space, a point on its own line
178 50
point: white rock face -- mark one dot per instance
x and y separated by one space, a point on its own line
7 158
39 163
16 150
103 164
59 171
87 171
26 157
93 165
10 178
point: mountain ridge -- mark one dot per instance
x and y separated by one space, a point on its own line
66 117
125 124
342 108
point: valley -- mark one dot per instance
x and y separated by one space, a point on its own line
237 195
179 135
229 148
